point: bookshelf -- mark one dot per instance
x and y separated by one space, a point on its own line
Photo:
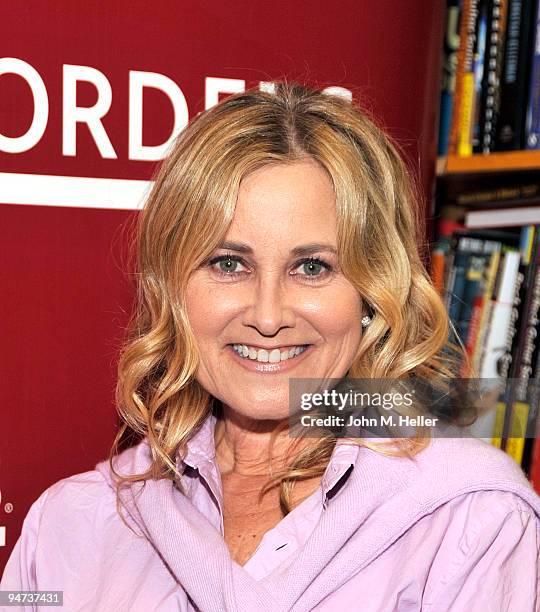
507 161
486 213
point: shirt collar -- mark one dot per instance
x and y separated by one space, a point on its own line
343 457
201 451
201 447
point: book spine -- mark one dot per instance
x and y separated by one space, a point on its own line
465 249
517 193
473 278
502 217
474 325
485 313
515 75
519 392
479 67
451 47
490 104
466 111
532 121
533 466
486 425
501 315
523 418
505 362
464 21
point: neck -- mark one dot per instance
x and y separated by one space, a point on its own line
244 446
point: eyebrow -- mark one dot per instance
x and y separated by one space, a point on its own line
299 251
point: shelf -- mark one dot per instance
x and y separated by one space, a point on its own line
492 162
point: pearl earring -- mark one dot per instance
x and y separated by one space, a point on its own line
366 321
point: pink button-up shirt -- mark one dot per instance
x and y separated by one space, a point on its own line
456 529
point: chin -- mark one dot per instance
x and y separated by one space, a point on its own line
261 411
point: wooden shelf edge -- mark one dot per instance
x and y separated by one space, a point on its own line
492 162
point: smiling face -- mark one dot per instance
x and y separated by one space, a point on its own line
272 304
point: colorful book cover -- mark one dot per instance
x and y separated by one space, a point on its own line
464 26
465 118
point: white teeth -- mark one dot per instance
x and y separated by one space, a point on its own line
274 356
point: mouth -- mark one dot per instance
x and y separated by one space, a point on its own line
277 359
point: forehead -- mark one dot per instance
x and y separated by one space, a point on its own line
292 200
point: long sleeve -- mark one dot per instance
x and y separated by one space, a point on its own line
497 567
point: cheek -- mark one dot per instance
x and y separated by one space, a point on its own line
339 313
208 309
199 305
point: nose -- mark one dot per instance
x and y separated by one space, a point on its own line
269 306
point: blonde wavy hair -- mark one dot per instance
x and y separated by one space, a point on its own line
187 213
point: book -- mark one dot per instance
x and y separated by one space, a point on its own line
516 194
496 338
450 51
524 417
479 68
532 118
491 91
484 304
503 217
463 85
467 92
533 446
515 75
464 247
524 345
477 265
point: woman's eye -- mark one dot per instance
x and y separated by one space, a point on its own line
314 269
226 265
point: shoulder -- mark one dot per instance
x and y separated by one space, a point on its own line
430 486
471 513
67 507
486 554
70 528
450 467
466 455
86 496
480 519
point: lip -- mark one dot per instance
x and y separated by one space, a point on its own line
253 365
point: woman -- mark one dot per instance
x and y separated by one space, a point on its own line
280 242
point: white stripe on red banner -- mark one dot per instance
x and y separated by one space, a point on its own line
75 191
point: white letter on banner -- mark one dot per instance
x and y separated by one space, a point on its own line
19 144
215 85
72 114
267 86
137 81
